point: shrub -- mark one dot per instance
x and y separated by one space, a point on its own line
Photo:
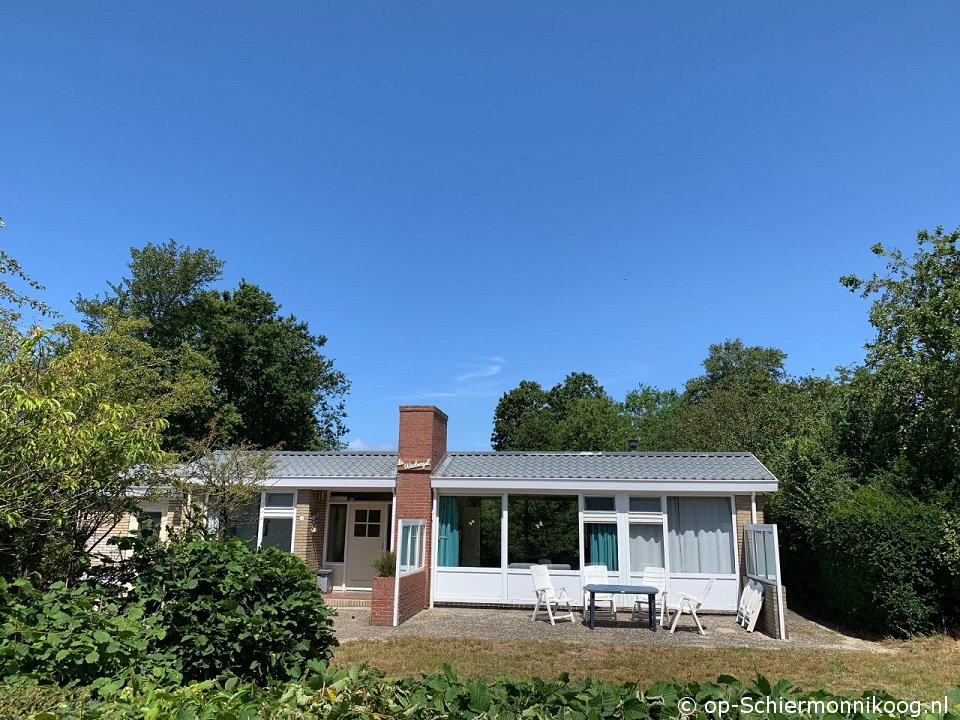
77 636
885 563
226 608
385 565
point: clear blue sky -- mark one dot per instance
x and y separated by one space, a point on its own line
461 195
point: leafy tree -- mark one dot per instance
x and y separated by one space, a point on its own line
576 414
273 385
654 417
167 287
517 422
905 407
69 455
267 382
222 483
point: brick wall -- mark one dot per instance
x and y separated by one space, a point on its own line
414 597
769 621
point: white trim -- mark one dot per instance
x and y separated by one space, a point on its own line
753 508
504 545
575 486
434 547
345 484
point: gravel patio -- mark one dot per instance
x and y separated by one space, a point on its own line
514 625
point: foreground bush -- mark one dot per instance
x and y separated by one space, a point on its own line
78 636
188 610
227 609
359 692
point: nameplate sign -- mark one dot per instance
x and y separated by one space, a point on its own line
413 464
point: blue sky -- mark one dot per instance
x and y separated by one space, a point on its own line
461 195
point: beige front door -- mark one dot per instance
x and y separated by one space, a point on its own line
366 539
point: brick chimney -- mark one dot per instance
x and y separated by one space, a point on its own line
422 445
423 442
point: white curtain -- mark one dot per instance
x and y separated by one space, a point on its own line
646 546
701 535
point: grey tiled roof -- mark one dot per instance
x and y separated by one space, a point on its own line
335 464
603 465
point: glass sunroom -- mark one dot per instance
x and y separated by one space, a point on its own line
495 514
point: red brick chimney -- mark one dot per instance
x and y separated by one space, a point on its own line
422 445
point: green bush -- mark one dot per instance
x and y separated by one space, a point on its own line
885 563
77 636
385 564
225 608
360 692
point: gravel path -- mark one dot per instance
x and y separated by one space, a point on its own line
515 625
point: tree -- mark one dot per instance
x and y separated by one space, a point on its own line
268 384
221 483
576 414
905 405
273 385
70 454
167 287
517 421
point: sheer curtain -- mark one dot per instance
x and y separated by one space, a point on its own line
646 546
701 535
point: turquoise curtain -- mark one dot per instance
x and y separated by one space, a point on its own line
603 544
448 542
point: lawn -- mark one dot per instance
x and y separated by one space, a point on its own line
922 668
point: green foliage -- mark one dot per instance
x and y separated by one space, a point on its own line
274 387
887 563
228 480
78 636
226 608
258 376
576 414
907 405
361 692
69 453
385 564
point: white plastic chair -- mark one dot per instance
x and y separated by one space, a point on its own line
598 575
689 603
545 593
751 600
655 577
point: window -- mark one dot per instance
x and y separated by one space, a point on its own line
277 532
600 545
411 545
543 529
279 500
154 515
646 546
337 534
366 523
600 504
701 535
760 552
645 504
469 532
246 521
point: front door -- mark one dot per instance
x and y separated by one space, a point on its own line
366 539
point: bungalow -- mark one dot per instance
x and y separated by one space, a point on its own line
467 525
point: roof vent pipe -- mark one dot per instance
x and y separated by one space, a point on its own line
633 445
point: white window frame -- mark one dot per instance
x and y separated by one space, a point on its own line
162 507
288 513
417 561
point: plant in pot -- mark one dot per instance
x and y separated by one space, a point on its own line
386 564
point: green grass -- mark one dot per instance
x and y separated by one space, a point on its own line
922 668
